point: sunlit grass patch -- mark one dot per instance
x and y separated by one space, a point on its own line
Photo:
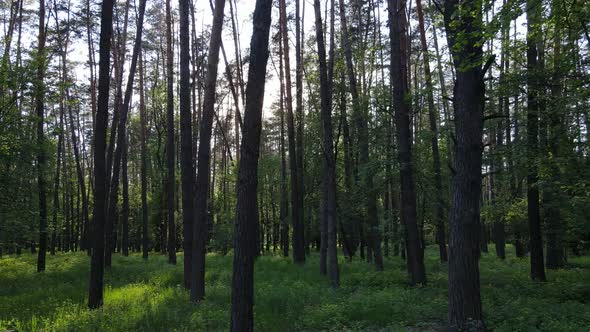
149 296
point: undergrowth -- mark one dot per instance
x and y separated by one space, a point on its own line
149 296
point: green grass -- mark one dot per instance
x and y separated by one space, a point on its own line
148 296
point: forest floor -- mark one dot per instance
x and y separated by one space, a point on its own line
148 296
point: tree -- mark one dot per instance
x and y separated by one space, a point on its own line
203 158
41 154
242 318
399 80
120 150
533 90
186 140
360 117
95 289
170 178
329 177
432 119
113 164
284 204
143 167
463 24
296 210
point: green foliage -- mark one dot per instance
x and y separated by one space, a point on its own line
148 296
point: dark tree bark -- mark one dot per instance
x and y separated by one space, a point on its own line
143 168
56 183
41 154
503 105
80 174
432 119
113 166
242 318
91 64
200 226
240 79
186 141
125 204
534 88
399 80
95 289
122 130
284 205
296 209
299 111
329 177
463 23
352 228
170 178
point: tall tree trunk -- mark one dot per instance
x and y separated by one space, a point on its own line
143 168
170 177
113 167
433 118
200 226
399 80
463 23
299 111
121 132
441 77
186 141
125 204
329 177
353 227
95 289
297 211
284 205
242 315
240 80
56 184
66 195
41 155
91 63
533 88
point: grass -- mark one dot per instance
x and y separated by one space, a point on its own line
148 296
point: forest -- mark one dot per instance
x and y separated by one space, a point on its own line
295 165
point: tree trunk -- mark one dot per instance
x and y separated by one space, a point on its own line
143 168
113 168
297 211
399 80
299 112
56 183
533 88
95 289
125 205
464 35
284 205
202 183
186 141
433 118
41 155
242 315
170 177
329 177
